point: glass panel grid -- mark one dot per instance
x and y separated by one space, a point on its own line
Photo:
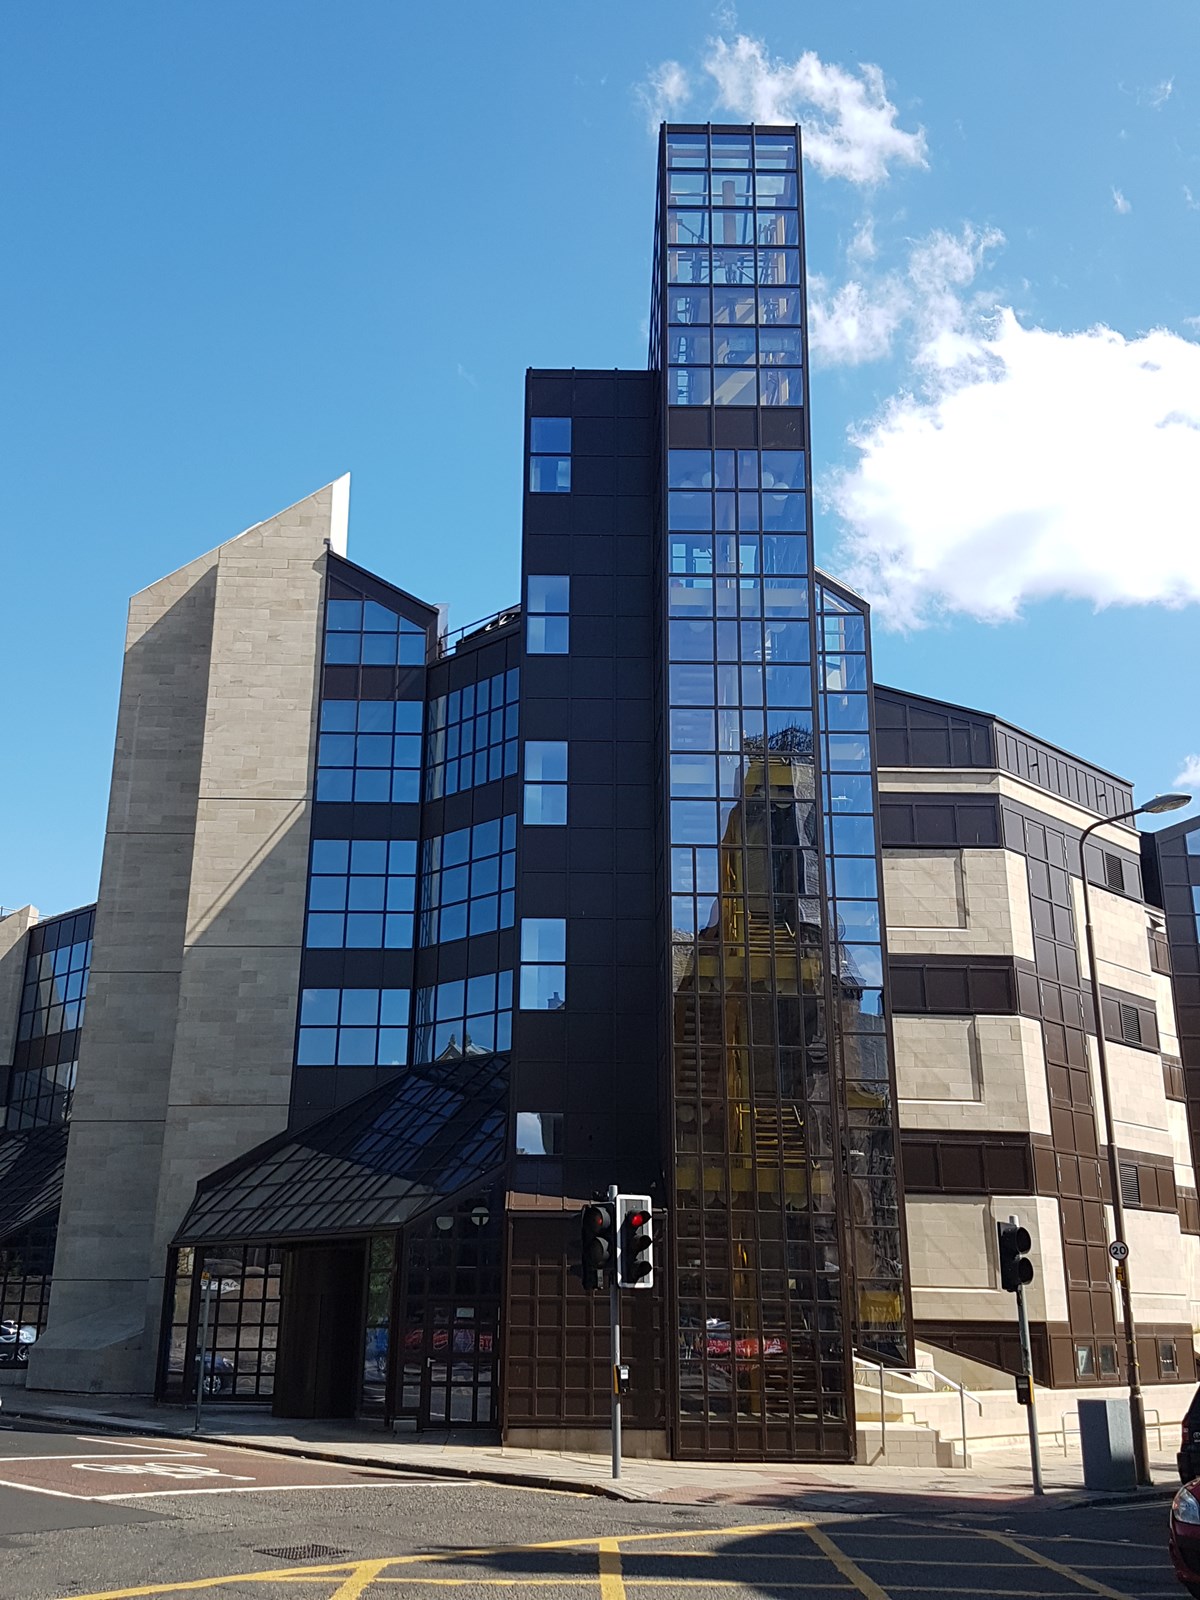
467 881
549 455
764 1280
353 1028
51 1011
467 1017
472 735
360 894
370 750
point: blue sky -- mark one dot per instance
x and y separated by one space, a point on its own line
252 246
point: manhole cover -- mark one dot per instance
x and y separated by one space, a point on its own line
304 1552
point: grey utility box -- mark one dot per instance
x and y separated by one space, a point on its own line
1106 1439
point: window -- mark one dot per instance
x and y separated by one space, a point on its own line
56 975
369 749
1085 1361
53 1000
546 782
543 963
472 735
1108 1361
1168 1358
539 1133
1196 906
353 1028
547 625
549 455
1191 842
364 631
468 1017
1131 1025
467 881
1131 1189
1114 872
1160 949
360 894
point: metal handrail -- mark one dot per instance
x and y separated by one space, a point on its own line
909 1373
1158 1425
447 641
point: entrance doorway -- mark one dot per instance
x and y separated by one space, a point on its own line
444 1373
320 1331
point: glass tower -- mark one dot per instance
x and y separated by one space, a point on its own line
784 1175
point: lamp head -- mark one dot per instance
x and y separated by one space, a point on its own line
1166 802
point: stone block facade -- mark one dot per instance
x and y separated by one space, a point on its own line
199 932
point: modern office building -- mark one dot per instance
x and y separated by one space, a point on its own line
408 943
995 1050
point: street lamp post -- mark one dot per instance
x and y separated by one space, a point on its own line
1137 1414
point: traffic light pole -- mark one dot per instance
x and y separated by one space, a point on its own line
1035 1456
614 1323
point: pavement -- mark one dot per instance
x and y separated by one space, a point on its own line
1001 1476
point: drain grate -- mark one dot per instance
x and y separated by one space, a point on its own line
304 1552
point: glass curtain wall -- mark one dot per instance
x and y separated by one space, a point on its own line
52 1005
762 1324
860 1033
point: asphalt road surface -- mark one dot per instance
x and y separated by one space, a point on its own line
111 1517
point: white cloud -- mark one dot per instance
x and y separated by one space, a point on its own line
863 247
1189 199
1189 776
850 127
853 323
1120 204
666 88
1160 93
859 320
849 123
1040 464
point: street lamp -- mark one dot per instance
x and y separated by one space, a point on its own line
1137 1415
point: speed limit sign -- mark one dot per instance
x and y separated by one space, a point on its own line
1118 1250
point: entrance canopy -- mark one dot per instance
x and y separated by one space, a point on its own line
377 1163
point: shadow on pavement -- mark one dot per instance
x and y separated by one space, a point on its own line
997 1551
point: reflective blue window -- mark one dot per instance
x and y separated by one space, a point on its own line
547 623
467 880
549 455
545 794
539 1133
464 1018
543 968
472 736
52 1006
369 750
353 1028
361 894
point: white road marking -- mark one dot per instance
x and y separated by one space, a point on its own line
154 1442
30 1488
282 1488
98 1457
160 1469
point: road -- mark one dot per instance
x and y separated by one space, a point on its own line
110 1517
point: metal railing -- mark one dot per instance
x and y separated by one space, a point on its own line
1067 1433
912 1375
448 641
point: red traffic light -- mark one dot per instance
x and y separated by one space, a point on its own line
638 1219
595 1243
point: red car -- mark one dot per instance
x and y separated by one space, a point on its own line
1185 1536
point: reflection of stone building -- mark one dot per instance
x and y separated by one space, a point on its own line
409 943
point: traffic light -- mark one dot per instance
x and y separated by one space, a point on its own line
595 1243
635 1242
1015 1269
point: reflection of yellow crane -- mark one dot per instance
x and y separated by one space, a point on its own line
746 950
